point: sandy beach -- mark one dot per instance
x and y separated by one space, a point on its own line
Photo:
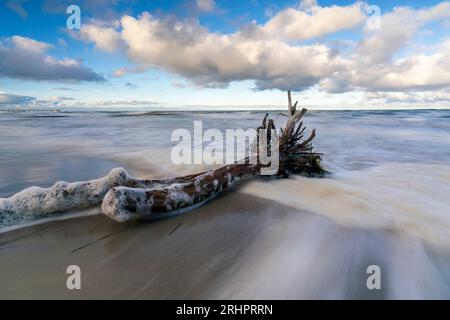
238 246
225 150
276 239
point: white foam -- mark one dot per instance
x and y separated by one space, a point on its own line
405 198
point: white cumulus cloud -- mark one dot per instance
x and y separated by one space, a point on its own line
26 58
206 5
288 51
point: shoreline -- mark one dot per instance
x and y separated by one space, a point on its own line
239 246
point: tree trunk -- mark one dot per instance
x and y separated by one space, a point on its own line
124 197
295 156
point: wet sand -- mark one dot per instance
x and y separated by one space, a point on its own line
237 246
295 238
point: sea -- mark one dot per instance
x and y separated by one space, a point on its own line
389 175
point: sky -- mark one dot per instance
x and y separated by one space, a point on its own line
217 54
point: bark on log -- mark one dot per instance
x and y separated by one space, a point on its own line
295 156
63 196
124 203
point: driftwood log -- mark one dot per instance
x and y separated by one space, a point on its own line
125 198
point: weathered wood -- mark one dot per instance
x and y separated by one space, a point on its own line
125 198
63 196
124 203
296 156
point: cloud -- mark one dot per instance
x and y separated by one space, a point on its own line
415 72
214 60
15 101
376 66
17 7
121 72
131 85
57 99
438 98
105 37
64 89
206 5
397 28
287 52
27 59
271 10
307 4
62 42
9 100
312 21
120 103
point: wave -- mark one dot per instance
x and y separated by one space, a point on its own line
403 198
410 199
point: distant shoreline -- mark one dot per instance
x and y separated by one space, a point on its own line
162 111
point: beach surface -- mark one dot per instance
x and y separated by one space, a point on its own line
239 246
385 203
